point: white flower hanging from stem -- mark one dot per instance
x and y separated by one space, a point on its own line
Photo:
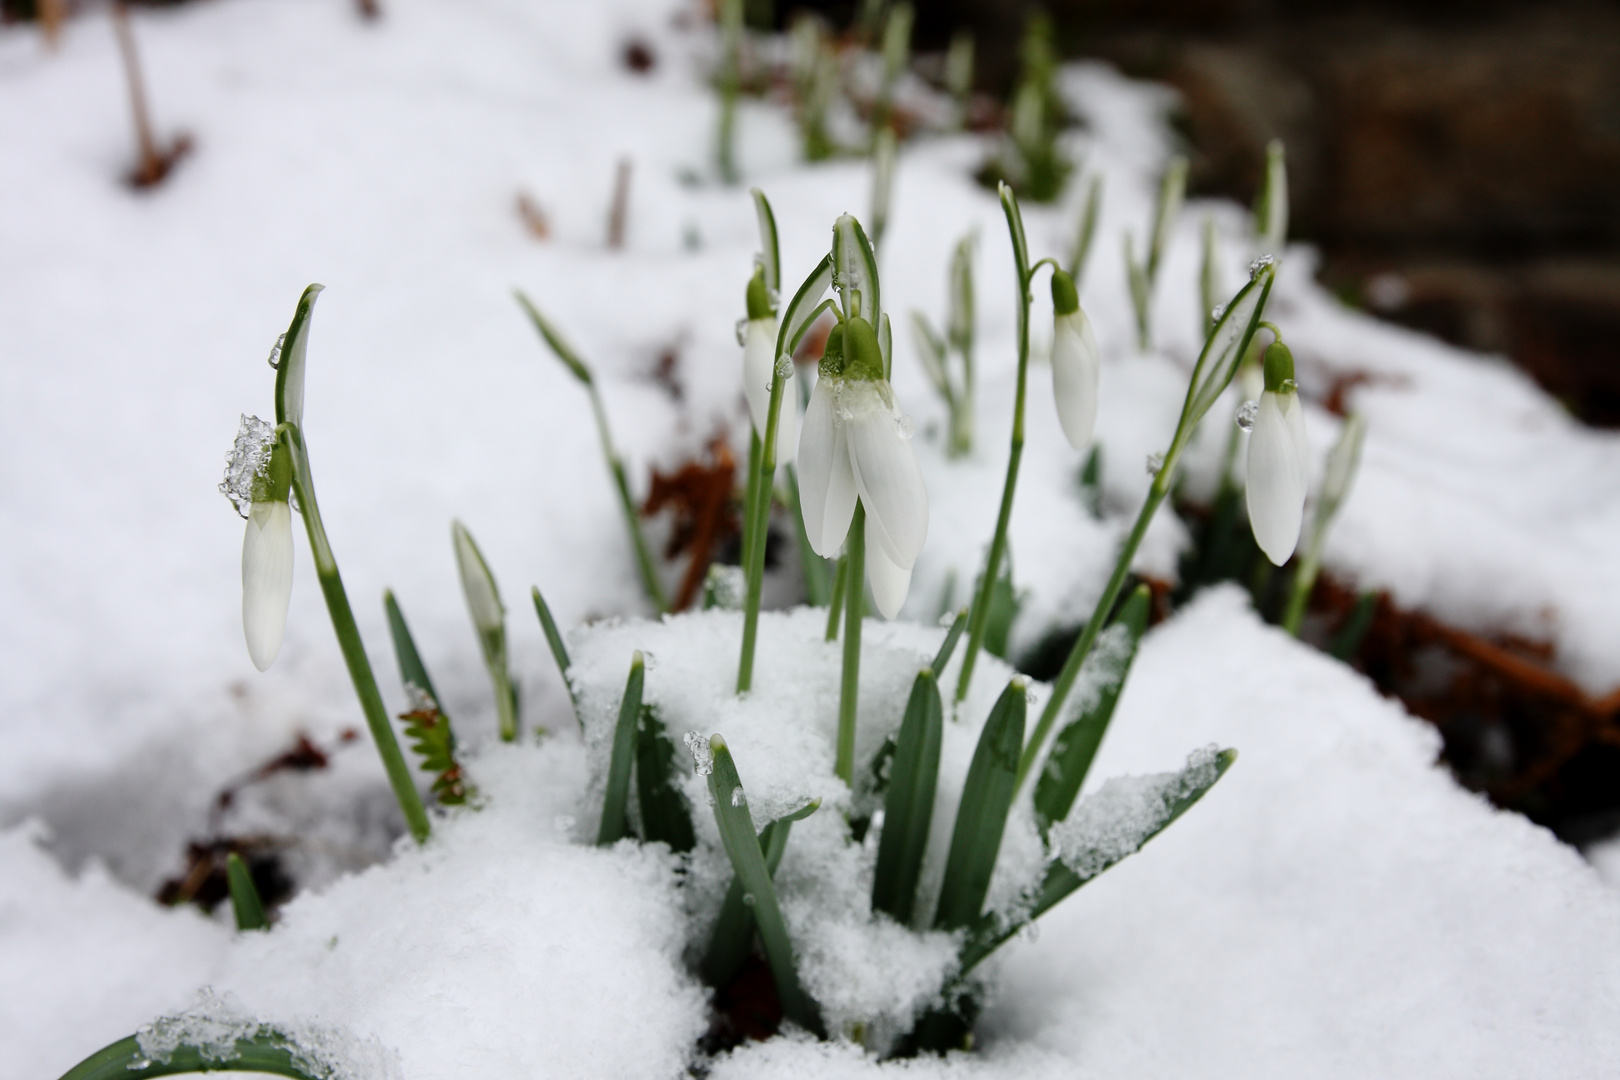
1278 458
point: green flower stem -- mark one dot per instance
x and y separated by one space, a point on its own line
1300 592
731 30
854 600
1099 617
755 448
980 617
835 606
760 505
348 635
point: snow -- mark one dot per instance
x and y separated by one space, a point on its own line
1334 907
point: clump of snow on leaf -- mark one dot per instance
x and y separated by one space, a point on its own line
213 1026
1122 814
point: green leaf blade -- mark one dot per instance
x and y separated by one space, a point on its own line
616 798
1075 747
987 794
560 347
245 902
665 816
908 807
748 861
268 1053
290 365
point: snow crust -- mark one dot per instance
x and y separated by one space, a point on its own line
1335 907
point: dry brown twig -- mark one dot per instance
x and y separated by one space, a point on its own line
153 164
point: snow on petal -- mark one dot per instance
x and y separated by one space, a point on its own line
887 475
1076 363
1276 475
267 563
890 581
826 485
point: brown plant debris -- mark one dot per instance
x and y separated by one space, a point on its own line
699 496
1514 728
154 162
533 217
638 56
619 211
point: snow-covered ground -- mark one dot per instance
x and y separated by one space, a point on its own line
1335 907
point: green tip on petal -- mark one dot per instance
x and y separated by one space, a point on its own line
759 297
1065 299
863 356
1279 366
832 354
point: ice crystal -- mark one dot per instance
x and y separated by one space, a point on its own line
248 465
1155 462
1246 413
1260 264
702 755
738 798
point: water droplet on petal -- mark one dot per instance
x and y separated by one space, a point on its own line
1260 264
1246 413
1289 386
738 798
906 427
742 331
1155 462
702 756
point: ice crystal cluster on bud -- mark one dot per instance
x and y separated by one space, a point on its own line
247 467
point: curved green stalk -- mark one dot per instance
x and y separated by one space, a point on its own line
760 503
980 617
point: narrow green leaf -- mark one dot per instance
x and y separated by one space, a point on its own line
931 351
1091 482
856 269
1088 230
1224 348
1172 191
908 808
804 303
664 813
1003 610
1347 642
616 798
1093 855
554 639
770 253
245 902
1076 745
412 672
561 348
734 929
982 816
748 861
290 363
489 620
948 646
267 1052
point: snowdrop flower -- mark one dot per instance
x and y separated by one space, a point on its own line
759 368
258 479
855 445
1076 363
1277 472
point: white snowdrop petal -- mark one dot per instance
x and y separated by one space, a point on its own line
759 350
1276 487
1076 363
890 581
888 477
826 486
267 562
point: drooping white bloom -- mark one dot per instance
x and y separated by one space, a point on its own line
267 562
1277 473
853 446
759 369
1076 365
